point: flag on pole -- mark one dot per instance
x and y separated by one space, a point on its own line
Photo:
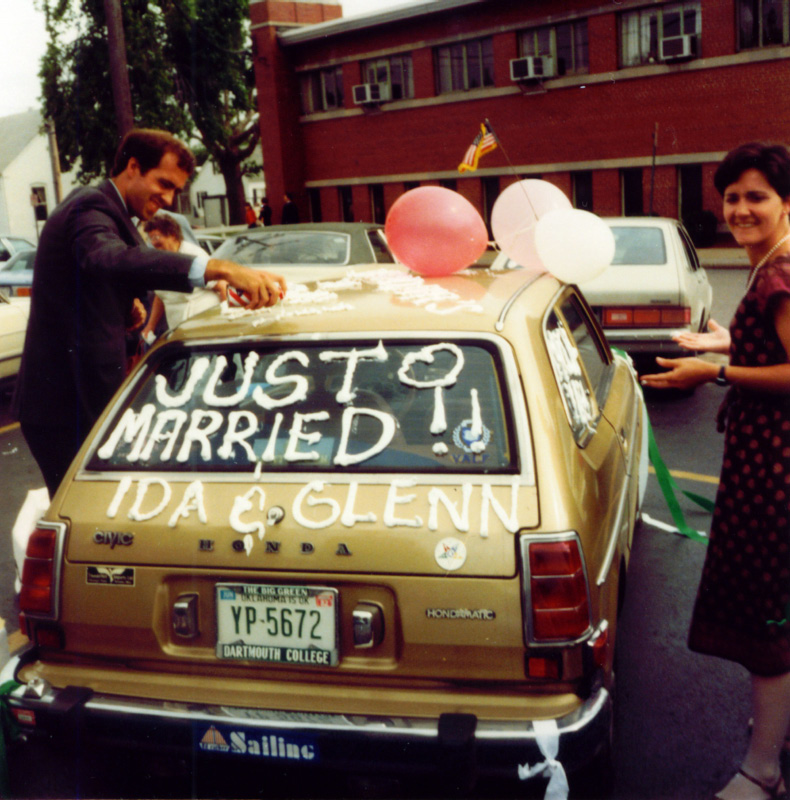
484 142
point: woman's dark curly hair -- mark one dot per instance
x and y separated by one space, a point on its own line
772 160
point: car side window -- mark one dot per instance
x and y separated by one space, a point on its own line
380 249
581 364
691 252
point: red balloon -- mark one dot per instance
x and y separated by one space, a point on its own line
435 231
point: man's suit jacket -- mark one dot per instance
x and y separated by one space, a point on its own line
90 264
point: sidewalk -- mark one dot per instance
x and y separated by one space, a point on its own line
723 257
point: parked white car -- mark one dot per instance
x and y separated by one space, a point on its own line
11 245
13 323
654 289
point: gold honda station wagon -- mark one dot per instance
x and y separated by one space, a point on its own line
382 526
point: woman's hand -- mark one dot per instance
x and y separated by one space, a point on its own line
717 341
684 373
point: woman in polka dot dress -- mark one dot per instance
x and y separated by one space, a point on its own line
742 611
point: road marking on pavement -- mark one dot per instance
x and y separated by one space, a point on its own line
689 476
12 427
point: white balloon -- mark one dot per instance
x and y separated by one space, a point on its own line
574 245
516 212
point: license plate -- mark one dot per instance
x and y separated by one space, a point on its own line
286 624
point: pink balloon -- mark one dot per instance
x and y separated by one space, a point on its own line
515 214
435 231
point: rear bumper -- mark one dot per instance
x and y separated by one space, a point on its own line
646 342
354 743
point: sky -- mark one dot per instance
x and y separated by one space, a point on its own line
22 45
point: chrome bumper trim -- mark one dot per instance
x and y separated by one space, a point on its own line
580 728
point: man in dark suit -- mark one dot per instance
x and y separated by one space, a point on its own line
290 211
90 266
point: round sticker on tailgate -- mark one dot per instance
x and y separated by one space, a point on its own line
450 554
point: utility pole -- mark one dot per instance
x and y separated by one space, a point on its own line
653 168
121 92
54 158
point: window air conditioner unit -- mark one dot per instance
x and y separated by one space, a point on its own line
371 93
676 48
531 68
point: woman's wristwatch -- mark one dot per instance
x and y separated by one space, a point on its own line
721 378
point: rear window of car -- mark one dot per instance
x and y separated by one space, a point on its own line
640 246
372 406
286 247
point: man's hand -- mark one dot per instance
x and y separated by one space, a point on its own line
263 288
220 288
683 373
136 316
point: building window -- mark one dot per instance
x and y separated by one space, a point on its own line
633 199
394 72
321 90
490 195
762 23
377 202
464 66
566 44
346 203
650 35
314 197
582 190
38 199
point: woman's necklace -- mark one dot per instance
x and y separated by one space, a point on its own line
764 260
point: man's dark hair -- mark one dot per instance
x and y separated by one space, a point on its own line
166 225
772 160
148 145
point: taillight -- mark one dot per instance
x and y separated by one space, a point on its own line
558 591
38 573
645 316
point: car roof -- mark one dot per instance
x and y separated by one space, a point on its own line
343 227
371 299
641 222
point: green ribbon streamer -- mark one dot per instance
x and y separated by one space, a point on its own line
667 483
9 732
669 489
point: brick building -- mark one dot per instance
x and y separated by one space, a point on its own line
626 106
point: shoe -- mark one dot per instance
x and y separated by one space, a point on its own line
773 791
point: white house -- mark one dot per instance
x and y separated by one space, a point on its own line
27 186
208 196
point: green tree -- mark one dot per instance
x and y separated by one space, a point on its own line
190 70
